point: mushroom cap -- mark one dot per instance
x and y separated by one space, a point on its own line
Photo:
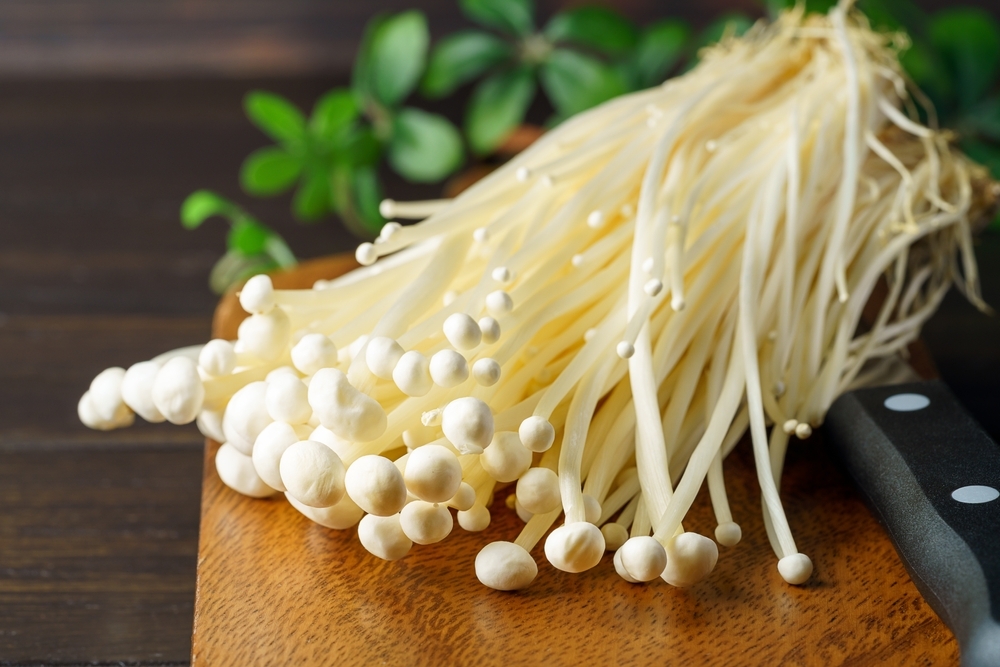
433 473
467 423
795 568
236 471
464 498
536 433
382 536
246 416
267 450
287 399
209 422
257 295
490 329
106 392
137 390
412 374
177 391
341 516
592 509
690 558
265 335
575 547
313 352
312 473
448 368
474 519
505 566
91 419
486 371
462 331
425 523
506 459
217 357
538 491
376 485
640 559
615 535
728 534
381 356
347 412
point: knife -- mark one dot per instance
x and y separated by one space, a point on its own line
931 475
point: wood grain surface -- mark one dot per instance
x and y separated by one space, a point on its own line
274 588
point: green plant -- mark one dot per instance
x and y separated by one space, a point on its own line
251 246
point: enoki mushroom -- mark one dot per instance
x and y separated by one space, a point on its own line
601 320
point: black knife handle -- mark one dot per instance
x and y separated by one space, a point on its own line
931 475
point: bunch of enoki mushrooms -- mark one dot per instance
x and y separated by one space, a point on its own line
601 320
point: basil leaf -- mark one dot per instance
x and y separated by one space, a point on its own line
275 116
397 55
461 57
497 106
513 17
596 27
269 171
203 204
312 199
575 82
968 40
333 113
247 236
425 147
360 148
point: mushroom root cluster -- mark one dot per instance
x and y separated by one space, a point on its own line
594 326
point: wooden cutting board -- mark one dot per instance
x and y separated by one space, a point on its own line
276 589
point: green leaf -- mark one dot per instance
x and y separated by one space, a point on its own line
894 15
596 27
497 106
460 58
203 204
333 114
968 40
361 78
269 171
396 57
235 267
312 199
276 248
575 82
513 17
360 148
367 195
928 72
425 147
659 48
275 116
247 237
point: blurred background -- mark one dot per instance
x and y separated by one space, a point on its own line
112 112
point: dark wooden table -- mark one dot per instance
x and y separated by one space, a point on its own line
98 531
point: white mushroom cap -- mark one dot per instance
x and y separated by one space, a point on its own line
575 547
217 357
106 392
433 473
177 391
418 435
640 559
464 498
137 390
462 331
287 399
347 412
536 433
237 472
448 368
376 485
474 519
266 335
313 352
366 254
795 568
412 374
615 535
267 450
257 295
246 416
538 491
330 439
505 459
522 514
486 371
209 422
467 423
338 517
312 473
505 566
425 523
382 536
690 558
88 415
728 534
490 328
592 509
280 371
499 303
381 355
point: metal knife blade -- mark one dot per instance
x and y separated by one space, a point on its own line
931 475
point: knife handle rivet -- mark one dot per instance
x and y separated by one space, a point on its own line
975 494
907 402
